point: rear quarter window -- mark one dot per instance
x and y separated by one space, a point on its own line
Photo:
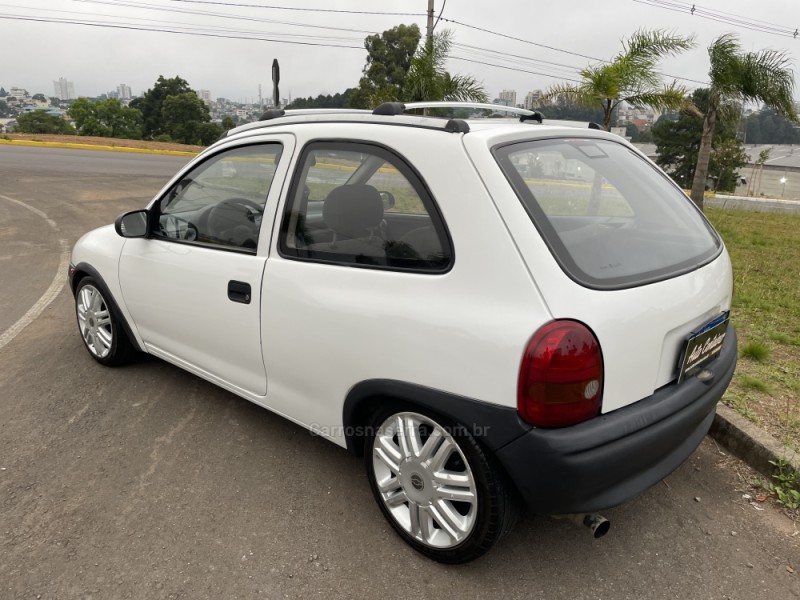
611 219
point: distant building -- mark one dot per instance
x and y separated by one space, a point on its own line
18 94
532 99
642 118
205 96
509 97
64 90
124 92
620 131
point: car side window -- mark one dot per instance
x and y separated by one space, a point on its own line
359 204
221 201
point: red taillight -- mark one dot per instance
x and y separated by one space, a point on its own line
561 376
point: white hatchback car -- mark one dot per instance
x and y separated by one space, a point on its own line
493 312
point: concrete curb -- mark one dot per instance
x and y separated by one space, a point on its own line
746 441
95 147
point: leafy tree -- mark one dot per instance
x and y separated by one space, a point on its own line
209 133
39 97
569 111
3 92
678 143
183 116
335 101
770 127
82 111
737 78
727 157
38 121
227 123
3 108
638 136
106 118
427 78
55 102
151 104
631 76
389 57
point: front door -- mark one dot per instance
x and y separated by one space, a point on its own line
193 287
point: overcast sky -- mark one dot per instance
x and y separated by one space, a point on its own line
38 51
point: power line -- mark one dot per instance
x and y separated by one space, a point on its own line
295 8
440 15
723 17
572 68
153 23
516 39
491 58
187 11
200 33
469 60
553 48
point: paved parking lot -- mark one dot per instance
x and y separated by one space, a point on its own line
147 482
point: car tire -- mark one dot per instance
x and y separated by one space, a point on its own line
100 325
437 487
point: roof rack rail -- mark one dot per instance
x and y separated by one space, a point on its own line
274 113
398 108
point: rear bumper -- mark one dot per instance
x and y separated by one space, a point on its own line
612 458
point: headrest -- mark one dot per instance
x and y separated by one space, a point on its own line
351 209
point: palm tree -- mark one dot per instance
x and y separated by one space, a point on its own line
737 78
631 77
427 78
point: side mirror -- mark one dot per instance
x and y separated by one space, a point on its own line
388 200
132 224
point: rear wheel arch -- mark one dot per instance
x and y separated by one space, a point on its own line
492 425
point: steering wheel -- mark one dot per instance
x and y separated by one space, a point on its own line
236 221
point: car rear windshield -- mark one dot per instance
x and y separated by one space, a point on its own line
611 219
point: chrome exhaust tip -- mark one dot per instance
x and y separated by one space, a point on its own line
597 524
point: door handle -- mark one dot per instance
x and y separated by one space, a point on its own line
239 291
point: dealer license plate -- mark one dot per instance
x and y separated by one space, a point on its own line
702 345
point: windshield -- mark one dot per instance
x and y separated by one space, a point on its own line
611 219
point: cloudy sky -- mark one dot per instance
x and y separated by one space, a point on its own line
511 44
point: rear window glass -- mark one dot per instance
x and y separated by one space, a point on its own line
610 218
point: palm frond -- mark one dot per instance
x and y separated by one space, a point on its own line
428 79
581 95
649 46
764 76
767 77
671 97
724 56
463 88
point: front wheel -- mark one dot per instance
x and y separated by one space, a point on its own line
435 485
99 325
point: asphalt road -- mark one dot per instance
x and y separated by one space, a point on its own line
147 482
